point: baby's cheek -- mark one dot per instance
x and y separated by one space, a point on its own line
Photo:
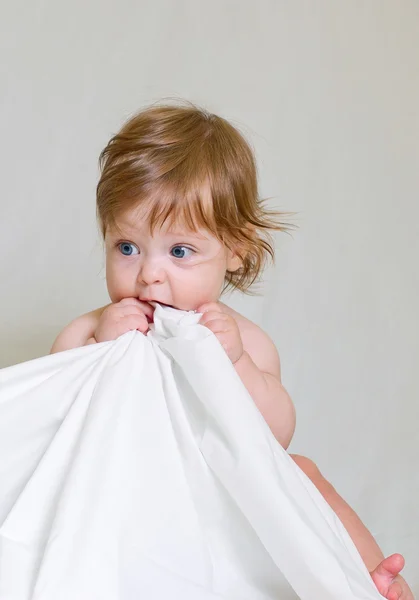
118 291
208 291
120 283
200 297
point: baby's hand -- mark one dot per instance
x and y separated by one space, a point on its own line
224 327
127 315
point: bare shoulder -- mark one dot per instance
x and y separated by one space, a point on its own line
257 344
76 333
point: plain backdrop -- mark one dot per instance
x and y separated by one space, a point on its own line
327 92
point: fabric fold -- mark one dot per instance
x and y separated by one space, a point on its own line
142 468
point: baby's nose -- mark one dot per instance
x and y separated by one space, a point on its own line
151 272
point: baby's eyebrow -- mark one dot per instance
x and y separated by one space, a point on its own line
188 234
121 231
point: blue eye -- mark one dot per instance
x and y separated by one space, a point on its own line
127 249
181 251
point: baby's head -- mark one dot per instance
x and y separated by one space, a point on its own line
178 207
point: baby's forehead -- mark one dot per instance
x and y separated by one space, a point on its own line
132 225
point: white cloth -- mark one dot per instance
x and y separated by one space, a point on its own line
141 468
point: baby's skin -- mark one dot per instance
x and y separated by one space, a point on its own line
186 270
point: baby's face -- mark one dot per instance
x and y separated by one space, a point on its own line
174 266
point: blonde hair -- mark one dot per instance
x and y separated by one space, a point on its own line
187 165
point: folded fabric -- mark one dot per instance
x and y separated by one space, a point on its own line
141 468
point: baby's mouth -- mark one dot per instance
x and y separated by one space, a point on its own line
154 303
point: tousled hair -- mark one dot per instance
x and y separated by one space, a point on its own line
184 164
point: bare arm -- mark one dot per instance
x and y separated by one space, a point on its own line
259 369
79 332
256 361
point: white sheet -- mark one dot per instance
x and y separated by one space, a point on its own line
141 468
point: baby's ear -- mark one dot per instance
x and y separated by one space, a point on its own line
239 252
234 262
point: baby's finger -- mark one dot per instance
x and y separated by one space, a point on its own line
147 309
137 305
132 322
129 301
211 316
217 325
210 307
130 309
222 337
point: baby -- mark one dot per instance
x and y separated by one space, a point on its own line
178 207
